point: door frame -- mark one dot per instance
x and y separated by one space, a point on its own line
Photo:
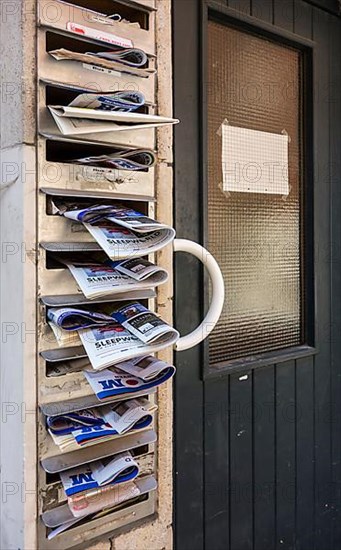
193 385
212 10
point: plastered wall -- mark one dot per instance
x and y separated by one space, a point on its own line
17 274
18 286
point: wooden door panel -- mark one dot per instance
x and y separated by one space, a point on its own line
284 454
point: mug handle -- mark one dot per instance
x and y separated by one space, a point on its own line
218 294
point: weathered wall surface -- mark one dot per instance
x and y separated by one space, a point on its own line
18 286
17 274
17 24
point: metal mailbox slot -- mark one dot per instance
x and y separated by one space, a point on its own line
94 14
46 337
52 517
57 169
128 512
77 73
60 229
49 351
58 94
54 461
47 126
58 83
109 521
127 9
72 405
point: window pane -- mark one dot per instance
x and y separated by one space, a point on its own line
254 83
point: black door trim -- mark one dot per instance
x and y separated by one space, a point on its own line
215 11
306 453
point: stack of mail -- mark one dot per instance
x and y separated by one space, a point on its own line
100 473
70 431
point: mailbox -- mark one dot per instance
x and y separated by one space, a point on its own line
78 27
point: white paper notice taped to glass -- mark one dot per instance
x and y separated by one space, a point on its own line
254 161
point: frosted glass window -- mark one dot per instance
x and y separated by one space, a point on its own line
254 83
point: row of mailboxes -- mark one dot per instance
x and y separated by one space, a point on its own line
61 388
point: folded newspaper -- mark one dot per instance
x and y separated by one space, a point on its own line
111 336
147 368
88 437
133 316
141 322
114 420
76 120
134 160
128 56
138 374
139 332
125 101
100 473
66 321
118 242
120 231
97 279
73 319
67 423
117 213
122 61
